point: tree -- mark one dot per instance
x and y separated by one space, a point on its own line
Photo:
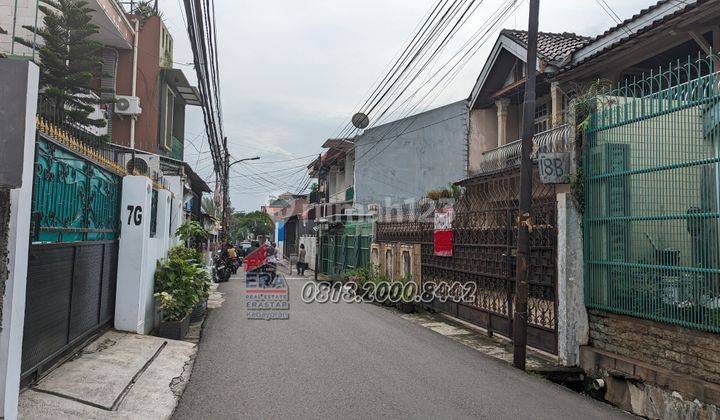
192 232
209 206
242 225
69 61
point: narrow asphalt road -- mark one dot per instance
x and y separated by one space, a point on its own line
356 361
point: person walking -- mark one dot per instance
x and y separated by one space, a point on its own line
301 260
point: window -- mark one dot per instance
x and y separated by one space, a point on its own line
169 111
543 117
389 264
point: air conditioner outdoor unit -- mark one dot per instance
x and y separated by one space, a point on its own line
143 164
127 105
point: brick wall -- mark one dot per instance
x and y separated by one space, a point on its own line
682 350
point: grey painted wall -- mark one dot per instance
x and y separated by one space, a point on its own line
407 158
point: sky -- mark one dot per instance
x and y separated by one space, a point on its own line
293 72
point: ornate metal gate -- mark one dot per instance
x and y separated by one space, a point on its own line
73 257
484 249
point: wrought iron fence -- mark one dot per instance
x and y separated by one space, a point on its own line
74 199
652 214
484 249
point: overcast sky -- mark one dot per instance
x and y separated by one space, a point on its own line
293 72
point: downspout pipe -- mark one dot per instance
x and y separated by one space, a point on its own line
136 39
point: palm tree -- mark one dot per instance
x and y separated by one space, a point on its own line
209 206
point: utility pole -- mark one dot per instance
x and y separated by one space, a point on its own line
226 193
226 190
525 218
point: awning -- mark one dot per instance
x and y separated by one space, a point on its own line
188 93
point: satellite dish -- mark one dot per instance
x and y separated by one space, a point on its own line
360 120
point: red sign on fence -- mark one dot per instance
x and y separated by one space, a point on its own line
443 237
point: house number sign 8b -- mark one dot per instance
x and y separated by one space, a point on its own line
554 168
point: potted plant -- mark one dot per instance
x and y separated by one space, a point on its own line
201 277
181 285
406 304
175 317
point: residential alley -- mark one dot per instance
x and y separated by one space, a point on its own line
353 361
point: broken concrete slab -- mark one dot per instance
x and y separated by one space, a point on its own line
119 375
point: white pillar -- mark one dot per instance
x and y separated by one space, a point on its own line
132 276
572 316
556 97
502 114
19 81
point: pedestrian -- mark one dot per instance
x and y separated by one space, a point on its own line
301 260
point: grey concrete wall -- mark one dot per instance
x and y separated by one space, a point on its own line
4 231
572 318
407 158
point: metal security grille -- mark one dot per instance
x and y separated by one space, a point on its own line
651 218
484 250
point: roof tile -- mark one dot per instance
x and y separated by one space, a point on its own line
551 46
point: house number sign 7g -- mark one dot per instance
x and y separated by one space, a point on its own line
134 215
554 168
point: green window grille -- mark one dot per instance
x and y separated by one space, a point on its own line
349 193
177 150
651 216
74 199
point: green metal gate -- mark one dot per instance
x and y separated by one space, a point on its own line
651 213
345 248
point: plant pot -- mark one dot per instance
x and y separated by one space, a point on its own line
174 330
406 307
198 311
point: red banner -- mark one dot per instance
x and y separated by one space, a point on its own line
443 237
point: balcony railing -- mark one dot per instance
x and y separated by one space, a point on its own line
506 156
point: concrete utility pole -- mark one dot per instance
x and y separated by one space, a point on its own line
226 191
525 219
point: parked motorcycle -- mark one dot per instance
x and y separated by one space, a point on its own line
222 269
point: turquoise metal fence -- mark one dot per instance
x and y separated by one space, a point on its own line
651 216
74 199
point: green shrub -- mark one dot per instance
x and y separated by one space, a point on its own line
191 231
184 253
180 284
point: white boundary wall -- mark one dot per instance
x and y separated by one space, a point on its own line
18 237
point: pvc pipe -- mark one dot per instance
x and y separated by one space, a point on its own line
598 384
134 78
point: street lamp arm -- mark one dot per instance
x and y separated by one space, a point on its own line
243 160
